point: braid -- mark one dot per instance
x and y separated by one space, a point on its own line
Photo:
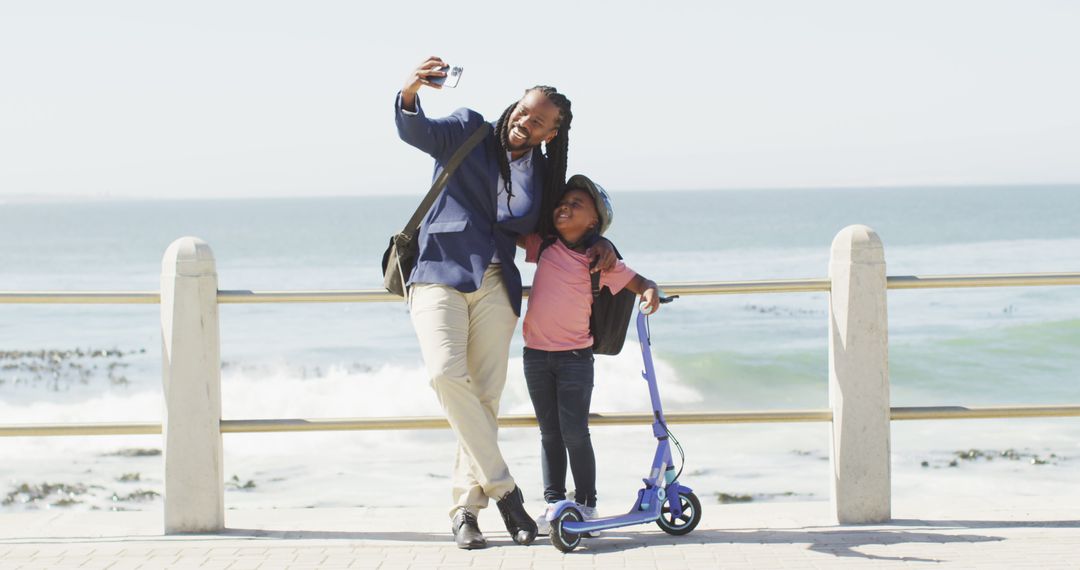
557 149
501 142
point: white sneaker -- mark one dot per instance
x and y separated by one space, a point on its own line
590 513
542 524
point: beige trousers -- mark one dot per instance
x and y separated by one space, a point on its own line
465 342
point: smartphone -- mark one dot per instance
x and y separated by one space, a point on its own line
453 75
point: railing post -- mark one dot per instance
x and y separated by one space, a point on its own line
859 378
191 373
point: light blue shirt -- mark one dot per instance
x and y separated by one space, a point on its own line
521 177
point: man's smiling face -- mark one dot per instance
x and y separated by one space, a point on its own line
534 120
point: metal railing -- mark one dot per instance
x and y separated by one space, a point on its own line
900 282
519 421
821 284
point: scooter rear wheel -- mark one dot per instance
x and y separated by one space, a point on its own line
684 523
563 540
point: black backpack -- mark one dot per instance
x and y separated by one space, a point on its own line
610 313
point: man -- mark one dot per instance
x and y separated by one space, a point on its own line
465 291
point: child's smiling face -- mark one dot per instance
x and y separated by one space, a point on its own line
575 215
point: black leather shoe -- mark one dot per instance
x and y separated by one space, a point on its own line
518 522
466 531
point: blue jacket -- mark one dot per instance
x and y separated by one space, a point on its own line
459 234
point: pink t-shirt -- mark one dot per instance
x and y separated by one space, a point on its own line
561 300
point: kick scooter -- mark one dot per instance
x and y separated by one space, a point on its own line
673 506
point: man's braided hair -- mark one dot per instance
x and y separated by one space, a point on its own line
555 158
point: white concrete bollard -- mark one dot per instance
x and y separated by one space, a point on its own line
859 378
191 372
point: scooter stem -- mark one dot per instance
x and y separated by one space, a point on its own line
650 373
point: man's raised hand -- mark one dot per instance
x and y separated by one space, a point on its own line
431 67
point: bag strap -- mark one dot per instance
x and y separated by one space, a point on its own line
594 279
444 176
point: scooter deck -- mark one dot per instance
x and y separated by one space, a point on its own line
632 518
635 516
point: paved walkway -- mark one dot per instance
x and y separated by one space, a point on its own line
1030 533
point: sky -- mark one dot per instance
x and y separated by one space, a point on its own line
234 99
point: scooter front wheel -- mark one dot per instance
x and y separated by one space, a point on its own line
684 523
565 541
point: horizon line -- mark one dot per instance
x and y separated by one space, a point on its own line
59 198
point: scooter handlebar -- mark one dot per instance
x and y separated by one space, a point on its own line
663 301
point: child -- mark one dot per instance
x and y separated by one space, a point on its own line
558 345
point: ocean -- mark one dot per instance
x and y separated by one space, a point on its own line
102 363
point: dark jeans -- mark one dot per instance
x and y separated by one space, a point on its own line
560 386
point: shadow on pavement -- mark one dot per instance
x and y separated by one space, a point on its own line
984 523
494 539
841 543
397 536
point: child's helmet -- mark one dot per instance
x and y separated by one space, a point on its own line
604 211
